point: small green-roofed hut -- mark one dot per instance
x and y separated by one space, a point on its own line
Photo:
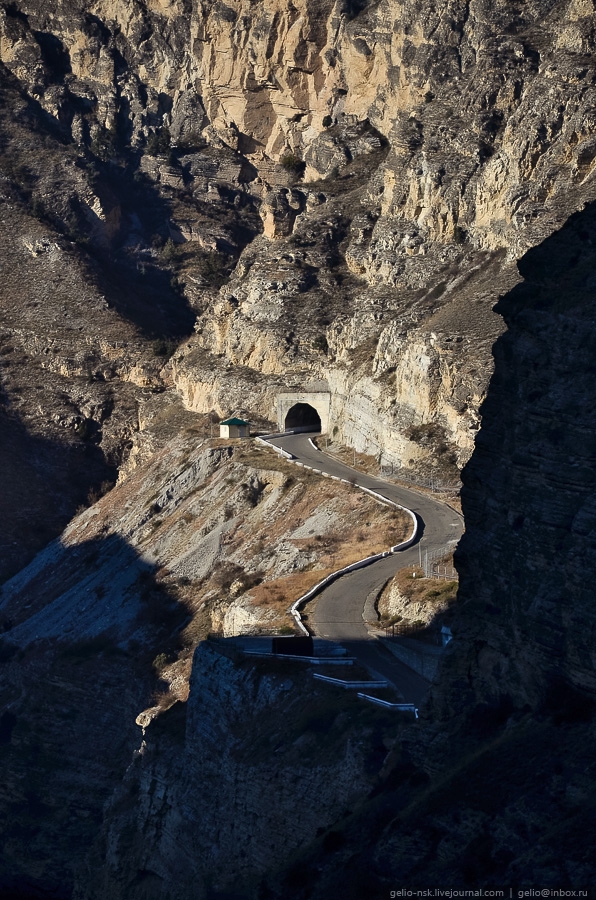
234 428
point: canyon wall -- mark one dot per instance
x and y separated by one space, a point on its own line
396 159
226 201
528 494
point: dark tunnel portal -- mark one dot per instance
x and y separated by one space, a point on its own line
304 417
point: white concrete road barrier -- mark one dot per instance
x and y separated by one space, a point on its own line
294 609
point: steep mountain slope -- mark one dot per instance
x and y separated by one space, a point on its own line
227 200
99 632
400 157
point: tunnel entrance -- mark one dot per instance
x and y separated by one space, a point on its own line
302 417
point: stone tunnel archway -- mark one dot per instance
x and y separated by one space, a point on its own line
303 417
303 411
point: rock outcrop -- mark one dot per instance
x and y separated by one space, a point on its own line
528 494
401 158
204 807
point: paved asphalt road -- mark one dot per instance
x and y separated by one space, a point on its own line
338 614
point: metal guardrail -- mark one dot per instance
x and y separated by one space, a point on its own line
403 707
340 682
294 609
313 660
402 629
279 450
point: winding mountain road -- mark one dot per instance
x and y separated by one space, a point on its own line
339 610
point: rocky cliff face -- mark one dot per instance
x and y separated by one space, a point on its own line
400 159
529 488
205 808
225 200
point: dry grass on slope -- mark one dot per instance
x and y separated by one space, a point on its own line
299 530
200 536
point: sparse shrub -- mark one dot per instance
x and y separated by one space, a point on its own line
84 429
225 573
320 343
353 8
250 580
327 121
163 348
194 140
212 268
459 234
37 208
16 171
293 164
104 144
164 699
427 435
161 661
96 493
158 143
170 251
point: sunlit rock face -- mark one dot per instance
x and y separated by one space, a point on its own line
396 158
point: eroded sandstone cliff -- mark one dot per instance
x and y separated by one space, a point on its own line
400 157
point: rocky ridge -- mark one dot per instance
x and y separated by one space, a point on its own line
400 159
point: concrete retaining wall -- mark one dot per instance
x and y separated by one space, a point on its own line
424 659
319 400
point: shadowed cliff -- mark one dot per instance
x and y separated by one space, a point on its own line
528 556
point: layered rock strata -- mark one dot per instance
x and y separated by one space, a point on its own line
400 159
